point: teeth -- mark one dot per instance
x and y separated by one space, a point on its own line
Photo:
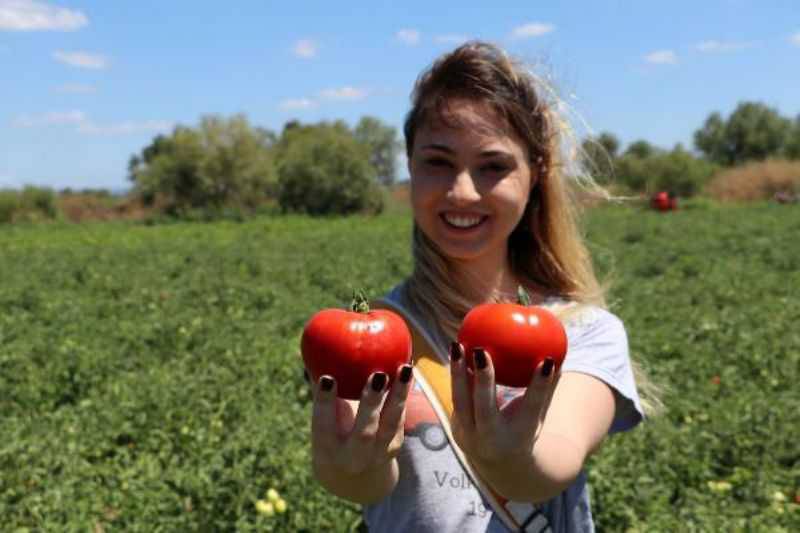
462 222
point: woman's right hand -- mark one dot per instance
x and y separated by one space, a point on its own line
356 437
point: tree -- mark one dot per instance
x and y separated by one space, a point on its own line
599 153
383 147
641 149
609 142
791 149
710 139
323 169
754 131
222 162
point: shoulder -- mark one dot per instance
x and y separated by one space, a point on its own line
585 323
588 323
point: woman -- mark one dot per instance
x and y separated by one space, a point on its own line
492 212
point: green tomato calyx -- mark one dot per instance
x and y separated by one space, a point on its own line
523 298
360 304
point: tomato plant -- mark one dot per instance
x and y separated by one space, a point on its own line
517 337
351 345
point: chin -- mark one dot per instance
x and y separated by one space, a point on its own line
462 253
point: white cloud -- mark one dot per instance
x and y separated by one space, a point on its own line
662 57
451 38
83 124
344 93
58 118
124 128
795 39
305 48
341 94
32 15
408 36
712 46
75 88
534 29
297 103
81 59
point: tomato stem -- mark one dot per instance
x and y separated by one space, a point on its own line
360 304
523 298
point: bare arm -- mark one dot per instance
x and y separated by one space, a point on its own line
364 488
575 424
535 446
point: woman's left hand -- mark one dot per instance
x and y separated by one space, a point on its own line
489 434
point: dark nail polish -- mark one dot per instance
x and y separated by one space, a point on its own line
547 367
480 358
305 376
326 383
378 381
405 374
455 351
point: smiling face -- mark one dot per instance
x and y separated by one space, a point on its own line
470 183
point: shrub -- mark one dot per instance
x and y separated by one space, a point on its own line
221 163
323 170
756 181
8 204
677 171
28 205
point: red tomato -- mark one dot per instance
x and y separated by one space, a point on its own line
661 201
673 204
517 338
350 345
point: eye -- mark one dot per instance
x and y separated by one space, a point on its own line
495 168
438 162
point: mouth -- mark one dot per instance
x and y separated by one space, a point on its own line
461 221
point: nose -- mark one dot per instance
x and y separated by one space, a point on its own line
463 190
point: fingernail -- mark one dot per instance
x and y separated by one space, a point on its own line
378 381
405 374
455 351
480 358
547 367
305 376
326 383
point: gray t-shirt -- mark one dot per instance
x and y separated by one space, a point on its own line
435 494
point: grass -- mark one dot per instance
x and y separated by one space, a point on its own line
150 377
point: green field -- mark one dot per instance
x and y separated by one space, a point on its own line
150 377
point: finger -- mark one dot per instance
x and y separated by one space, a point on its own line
323 416
392 415
485 395
538 394
368 416
462 399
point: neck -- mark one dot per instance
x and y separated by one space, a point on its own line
489 279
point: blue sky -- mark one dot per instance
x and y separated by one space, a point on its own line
84 84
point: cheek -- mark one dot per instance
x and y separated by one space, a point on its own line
514 197
422 192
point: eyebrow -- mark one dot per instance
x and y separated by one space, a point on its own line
447 149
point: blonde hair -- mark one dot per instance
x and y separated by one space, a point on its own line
546 249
